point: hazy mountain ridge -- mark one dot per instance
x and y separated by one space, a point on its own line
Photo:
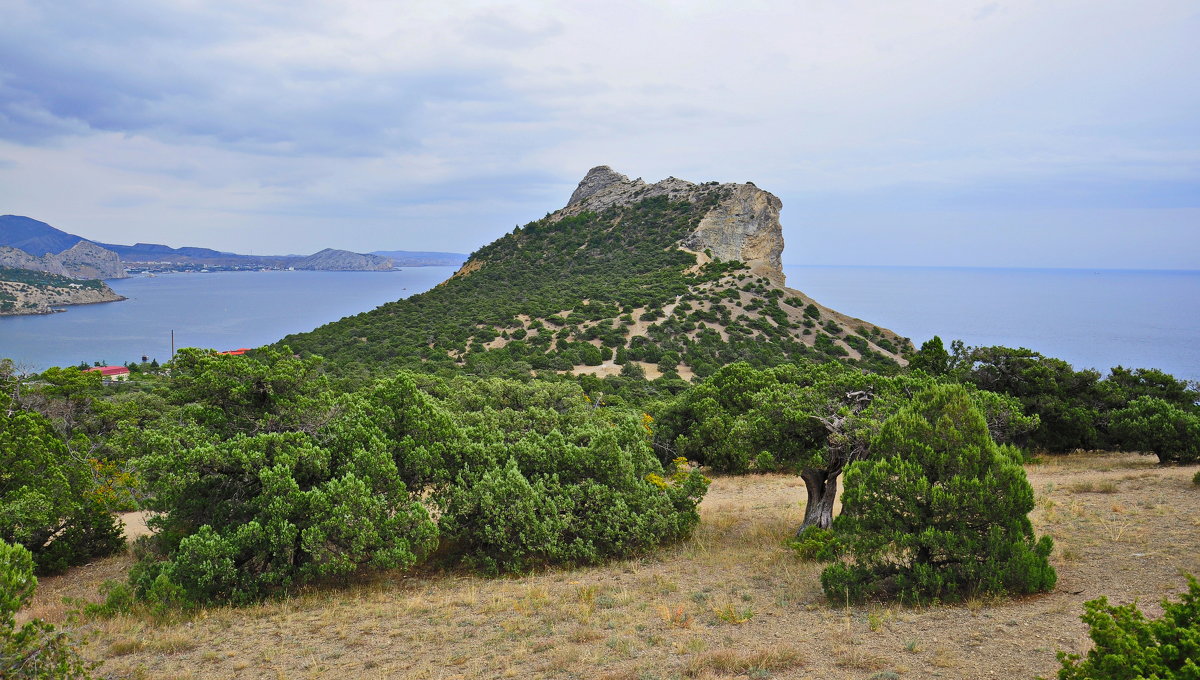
43 246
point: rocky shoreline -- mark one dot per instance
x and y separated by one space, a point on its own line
19 299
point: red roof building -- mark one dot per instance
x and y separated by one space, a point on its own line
112 372
236 352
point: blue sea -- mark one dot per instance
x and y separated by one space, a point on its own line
1091 318
221 310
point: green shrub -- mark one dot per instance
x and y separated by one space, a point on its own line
578 494
938 512
36 649
49 501
1154 425
815 543
1128 646
1196 478
252 515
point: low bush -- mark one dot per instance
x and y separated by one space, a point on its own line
815 543
1128 646
938 513
35 649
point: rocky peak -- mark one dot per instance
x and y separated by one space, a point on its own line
743 225
596 180
86 260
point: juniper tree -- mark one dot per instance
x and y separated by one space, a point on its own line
939 511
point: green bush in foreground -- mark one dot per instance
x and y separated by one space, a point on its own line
35 649
1128 646
938 512
48 497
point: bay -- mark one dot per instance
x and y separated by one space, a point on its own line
1090 318
219 310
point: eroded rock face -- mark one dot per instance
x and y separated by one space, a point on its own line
19 259
598 179
744 225
86 260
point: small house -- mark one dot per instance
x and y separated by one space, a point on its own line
111 373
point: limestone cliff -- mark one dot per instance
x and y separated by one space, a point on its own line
19 259
743 225
84 260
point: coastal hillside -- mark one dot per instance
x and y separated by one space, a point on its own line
24 291
652 279
330 259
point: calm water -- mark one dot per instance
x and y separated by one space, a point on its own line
222 310
1093 319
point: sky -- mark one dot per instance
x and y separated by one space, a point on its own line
1032 133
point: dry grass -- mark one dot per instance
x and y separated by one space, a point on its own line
739 661
729 602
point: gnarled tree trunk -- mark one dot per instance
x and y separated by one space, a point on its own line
842 449
822 491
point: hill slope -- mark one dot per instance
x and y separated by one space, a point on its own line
24 291
34 237
671 276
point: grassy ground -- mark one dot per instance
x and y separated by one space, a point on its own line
730 602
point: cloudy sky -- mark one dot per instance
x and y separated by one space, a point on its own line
1025 133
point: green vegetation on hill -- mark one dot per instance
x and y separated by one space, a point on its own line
573 292
42 280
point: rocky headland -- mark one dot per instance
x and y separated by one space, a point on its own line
32 292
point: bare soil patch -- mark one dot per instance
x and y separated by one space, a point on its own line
730 602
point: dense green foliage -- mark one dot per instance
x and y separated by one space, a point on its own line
34 649
728 420
265 480
1157 426
1128 646
940 512
1078 409
268 478
552 477
50 499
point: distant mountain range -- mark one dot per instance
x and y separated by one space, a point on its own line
30 244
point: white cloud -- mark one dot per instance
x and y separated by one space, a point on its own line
439 125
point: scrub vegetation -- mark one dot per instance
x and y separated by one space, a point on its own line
442 487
